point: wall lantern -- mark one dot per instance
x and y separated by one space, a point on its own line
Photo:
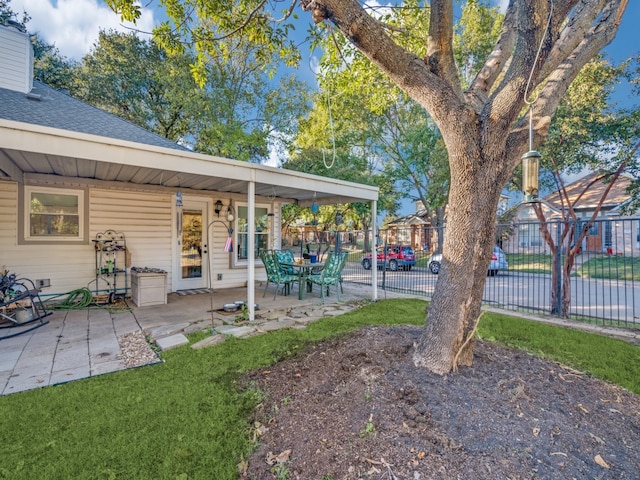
338 218
217 207
230 215
530 169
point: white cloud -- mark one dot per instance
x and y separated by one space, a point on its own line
73 25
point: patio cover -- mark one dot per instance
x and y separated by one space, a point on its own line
40 154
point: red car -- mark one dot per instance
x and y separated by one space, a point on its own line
397 257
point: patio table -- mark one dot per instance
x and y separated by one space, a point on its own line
303 270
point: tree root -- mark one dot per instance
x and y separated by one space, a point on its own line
465 343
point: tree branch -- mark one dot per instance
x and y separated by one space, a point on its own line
483 82
439 57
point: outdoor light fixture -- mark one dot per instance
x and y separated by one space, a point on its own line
338 218
530 169
230 215
217 207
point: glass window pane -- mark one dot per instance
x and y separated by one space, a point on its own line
262 231
54 225
53 214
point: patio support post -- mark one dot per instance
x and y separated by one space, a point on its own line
251 247
374 257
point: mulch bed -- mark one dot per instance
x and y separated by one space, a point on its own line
356 407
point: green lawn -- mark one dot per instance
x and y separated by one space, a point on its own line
600 266
611 267
529 262
188 419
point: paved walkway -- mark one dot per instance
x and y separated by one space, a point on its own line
74 344
83 343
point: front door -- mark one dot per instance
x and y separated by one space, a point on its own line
192 262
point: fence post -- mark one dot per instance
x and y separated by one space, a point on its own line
384 258
558 261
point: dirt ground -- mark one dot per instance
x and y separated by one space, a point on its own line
356 407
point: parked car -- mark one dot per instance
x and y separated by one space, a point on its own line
397 257
498 262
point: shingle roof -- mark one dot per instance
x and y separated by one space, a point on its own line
52 108
594 189
416 217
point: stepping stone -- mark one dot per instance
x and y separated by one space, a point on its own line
235 331
166 343
209 341
167 330
277 325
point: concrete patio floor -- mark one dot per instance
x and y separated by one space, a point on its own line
86 342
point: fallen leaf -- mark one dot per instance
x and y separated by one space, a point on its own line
281 458
284 456
266 372
583 408
559 453
421 455
600 461
536 431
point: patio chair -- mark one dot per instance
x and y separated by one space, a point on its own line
275 274
331 274
20 306
286 256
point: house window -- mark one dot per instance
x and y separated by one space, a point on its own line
608 235
53 214
262 232
529 234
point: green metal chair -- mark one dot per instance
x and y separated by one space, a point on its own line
286 256
331 274
275 273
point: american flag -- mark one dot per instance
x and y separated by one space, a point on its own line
228 245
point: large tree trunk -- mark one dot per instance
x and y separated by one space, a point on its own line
447 341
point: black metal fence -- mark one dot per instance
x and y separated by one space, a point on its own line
604 281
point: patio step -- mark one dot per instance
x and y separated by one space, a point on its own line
172 341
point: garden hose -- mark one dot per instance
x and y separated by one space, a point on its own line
79 298
82 298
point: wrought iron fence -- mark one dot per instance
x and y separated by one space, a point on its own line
604 281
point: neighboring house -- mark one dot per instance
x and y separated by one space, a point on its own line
413 229
70 172
611 231
416 230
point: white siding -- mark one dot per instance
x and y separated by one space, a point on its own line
16 60
67 266
143 218
147 221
